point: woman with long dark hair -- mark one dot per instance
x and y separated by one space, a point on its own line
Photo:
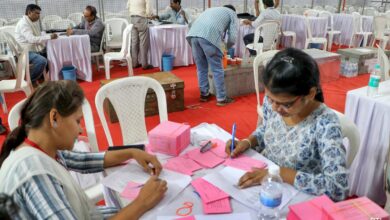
299 132
36 156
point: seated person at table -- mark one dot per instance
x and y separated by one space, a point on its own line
36 156
28 34
270 13
299 132
176 14
91 25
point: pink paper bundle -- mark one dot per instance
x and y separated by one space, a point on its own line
309 210
245 163
356 209
182 165
169 138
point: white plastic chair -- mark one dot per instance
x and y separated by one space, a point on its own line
13 22
379 31
358 29
18 84
124 54
3 22
115 28
127 96
269 30
9 29
351 132
100 52
331 33
260 60
48 20
384 63
311 13
62 24
370 11
94 192
76 17
8 57
315 40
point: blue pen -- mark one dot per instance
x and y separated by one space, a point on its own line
233 138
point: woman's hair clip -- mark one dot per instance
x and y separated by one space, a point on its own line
287 59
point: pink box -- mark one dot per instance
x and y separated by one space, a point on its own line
356 209
169 138
309 210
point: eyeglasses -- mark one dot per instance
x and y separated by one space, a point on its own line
285 105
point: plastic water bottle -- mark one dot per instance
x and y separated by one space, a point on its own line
373 83
271 193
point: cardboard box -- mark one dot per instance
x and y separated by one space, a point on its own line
328 64
174 91
169 138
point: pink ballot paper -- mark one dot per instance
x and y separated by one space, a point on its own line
308 210
131 190
244 163
219 148
182 165
219 206
186 218
207 191
206 159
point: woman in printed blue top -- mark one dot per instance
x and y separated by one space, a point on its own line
299 132
36 156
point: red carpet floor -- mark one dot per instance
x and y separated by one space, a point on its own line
242 111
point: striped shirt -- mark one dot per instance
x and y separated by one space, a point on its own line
42 197
213 24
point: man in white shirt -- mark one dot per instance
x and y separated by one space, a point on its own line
28 34
140 11
270 13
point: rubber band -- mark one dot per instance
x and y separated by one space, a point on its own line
186 205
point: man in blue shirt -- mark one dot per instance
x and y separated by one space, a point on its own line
176 14
206 38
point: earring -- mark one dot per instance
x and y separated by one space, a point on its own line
54 124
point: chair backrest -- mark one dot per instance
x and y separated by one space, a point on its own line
387 14
115 28
14 46
3 22
384 63
13 21
328 15
357 22
76 17
126 41
22 69
127 96
14 117
62 24
370 11
380 26
351 132
49 19
269 30
8 29
261 60
308 28
311 13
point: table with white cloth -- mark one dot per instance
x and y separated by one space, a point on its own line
188 195
169 39
372 117
295 23
344 24
74 50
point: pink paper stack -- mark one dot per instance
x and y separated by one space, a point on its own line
169 138
355 209
309 210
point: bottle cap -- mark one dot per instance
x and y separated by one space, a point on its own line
377 66
274 170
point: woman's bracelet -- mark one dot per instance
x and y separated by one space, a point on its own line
247 140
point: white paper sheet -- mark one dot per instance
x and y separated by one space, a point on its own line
233 216
227 180
133 172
